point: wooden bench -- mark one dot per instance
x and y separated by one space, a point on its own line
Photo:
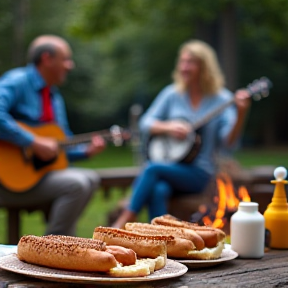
14 219
110 178
256 180
117 177
258 185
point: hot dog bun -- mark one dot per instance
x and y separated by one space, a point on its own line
211 236
81 254
207 253
145 246
178 247
63 252
176 232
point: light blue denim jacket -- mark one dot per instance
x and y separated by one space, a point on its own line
170 104
20 100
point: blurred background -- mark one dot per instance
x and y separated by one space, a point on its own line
125 52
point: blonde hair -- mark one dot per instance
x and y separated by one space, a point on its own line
211 78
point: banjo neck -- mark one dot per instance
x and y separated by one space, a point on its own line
258 89
201 122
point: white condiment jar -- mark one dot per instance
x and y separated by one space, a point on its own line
247 229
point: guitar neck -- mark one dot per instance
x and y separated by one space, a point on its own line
212 114
83 138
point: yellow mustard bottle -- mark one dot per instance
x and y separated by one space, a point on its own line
276 214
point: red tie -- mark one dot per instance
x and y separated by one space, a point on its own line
47 115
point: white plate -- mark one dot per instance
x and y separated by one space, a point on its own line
13 264
7 249
227 255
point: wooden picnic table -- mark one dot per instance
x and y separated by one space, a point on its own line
270 271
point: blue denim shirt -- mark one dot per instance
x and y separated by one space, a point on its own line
20 100
170 104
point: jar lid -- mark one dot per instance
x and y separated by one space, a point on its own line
248 204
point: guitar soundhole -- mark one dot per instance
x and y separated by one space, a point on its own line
39 164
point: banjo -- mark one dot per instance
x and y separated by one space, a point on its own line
168 149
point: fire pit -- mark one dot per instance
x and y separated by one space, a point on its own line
208 207
225 203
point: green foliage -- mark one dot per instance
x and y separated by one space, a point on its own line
139 43
101 17
269 19
263 51
125 52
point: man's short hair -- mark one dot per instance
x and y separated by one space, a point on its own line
35 53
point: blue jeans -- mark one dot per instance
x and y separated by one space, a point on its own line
158 182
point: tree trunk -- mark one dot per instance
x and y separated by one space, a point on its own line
221 34
228 46
20 12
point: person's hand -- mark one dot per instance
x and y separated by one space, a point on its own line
96 146
242 100
178 129
45 148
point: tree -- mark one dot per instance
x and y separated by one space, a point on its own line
139 41
125 52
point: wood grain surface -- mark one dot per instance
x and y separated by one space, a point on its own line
270 271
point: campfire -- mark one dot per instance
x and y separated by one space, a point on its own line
225 203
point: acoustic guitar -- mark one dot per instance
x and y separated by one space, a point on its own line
167 149
21 170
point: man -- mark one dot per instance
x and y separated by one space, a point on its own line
24 98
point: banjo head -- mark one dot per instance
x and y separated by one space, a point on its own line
167 149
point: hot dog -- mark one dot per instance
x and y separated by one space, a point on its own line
122 255
82 254
63 252
145 246
168 230
211 236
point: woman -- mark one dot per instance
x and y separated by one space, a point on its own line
198 88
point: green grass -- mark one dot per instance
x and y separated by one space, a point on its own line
277 156
96 212
110 157
94 215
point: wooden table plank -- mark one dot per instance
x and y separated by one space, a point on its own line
270 271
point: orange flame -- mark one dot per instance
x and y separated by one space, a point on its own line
243 194
232 200
226 200
222 199
207 220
